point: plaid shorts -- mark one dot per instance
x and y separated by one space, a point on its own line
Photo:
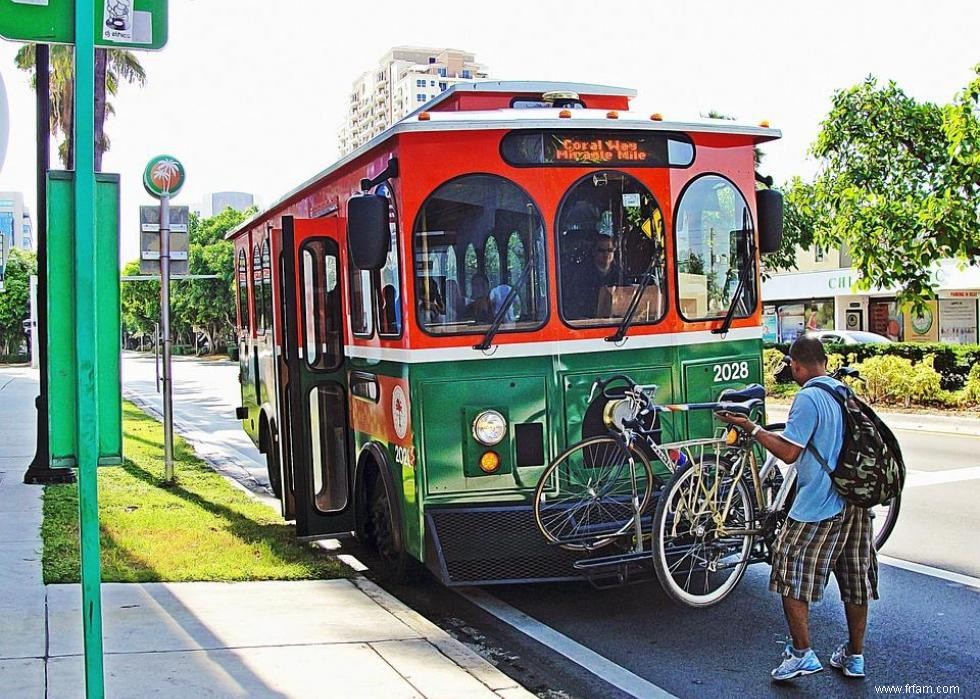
806 553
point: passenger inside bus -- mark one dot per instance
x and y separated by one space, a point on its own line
610 242
432 308
390 312
478 309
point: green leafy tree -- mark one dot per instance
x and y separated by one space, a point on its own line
899 183
802 212
112 67
139 303
15 299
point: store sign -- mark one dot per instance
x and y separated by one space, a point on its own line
922 326
958 321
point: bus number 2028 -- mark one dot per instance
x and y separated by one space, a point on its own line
731 371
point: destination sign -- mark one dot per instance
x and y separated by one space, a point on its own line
580 148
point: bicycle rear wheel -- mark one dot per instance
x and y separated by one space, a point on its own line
593 493
700 560
883 519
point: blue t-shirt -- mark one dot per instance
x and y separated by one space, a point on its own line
815 419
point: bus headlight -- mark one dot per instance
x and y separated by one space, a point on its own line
489 428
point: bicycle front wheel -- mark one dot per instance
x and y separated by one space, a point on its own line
700 535
593 493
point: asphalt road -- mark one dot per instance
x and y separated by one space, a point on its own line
924 631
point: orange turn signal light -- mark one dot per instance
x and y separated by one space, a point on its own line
656 116
489 462
764 123
424 116
612 115
565 114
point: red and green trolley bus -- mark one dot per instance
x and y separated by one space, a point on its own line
420 325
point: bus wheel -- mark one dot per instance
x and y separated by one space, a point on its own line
394 563
272 464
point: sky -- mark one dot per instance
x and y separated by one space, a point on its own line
250 95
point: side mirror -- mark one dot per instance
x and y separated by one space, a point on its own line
368 231
769 204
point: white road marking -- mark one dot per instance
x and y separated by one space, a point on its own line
617 676
915 479
967 580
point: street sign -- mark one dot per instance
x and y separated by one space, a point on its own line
133 24
163 175
150 239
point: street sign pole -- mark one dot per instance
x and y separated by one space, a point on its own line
162 178
168 398
86 299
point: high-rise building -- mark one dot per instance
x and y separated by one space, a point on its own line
406 78
216 202
15 222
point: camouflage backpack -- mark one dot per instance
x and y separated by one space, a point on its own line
870 470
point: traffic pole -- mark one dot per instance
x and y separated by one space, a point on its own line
86 300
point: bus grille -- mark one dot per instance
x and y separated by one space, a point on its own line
494 545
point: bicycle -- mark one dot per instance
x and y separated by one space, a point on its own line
719 512
597 491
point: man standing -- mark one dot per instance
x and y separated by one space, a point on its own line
822 533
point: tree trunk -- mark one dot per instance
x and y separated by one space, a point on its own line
100 68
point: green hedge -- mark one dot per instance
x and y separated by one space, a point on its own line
953 362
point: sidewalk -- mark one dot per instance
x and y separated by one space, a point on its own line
925 422
317 638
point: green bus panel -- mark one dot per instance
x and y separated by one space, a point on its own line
62 370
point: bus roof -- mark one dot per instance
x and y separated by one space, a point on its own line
439 117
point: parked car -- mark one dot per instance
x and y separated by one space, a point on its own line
849 337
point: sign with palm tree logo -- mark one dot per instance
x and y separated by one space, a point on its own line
163 175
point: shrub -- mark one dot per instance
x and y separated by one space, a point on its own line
970 395
953 362
772 365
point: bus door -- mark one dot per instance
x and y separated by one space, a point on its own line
319 436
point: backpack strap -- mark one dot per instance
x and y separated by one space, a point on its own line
840 401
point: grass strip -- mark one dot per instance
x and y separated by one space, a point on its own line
199 529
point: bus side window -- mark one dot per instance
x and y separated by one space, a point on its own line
259 290
322 331
243 291
388 290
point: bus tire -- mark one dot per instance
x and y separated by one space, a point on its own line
394 563
271 458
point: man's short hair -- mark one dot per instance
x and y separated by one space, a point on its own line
807 349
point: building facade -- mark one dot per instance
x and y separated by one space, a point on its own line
15 222
216 202
822 295
406 78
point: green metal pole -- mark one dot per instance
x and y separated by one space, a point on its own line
86 300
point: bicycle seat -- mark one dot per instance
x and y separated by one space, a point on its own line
752 392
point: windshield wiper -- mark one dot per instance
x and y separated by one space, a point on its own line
627 321
743 279
498 319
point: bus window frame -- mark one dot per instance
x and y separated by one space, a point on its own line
757 286
546 318
267 291
377 293
244 324
308 245
259 325
613 322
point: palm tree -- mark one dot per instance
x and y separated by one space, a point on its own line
113 65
